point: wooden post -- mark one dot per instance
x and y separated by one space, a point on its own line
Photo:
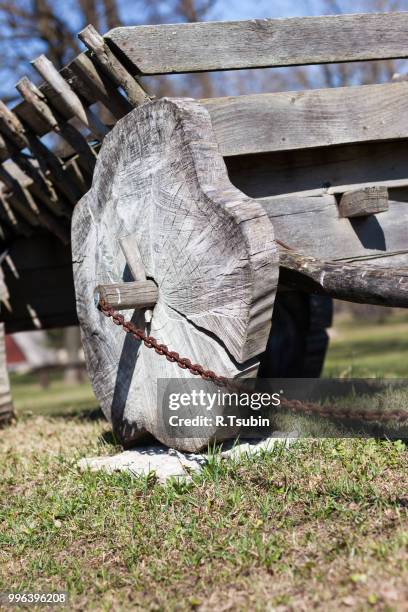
123 296
112 66
65 95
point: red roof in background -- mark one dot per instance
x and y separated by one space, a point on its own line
14 354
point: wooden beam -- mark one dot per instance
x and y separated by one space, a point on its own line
28 174
112 66
260 123
363 202
321 171
70 103
29 215
258 43
132 295
312 226
343 281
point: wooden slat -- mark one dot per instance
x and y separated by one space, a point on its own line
306 119
197 47
312 226
321 170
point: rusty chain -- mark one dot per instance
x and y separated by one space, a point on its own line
308 408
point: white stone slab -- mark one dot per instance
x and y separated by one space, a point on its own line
170 463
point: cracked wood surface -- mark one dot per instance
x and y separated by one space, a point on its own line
210 249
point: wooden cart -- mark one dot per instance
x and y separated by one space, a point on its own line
205 220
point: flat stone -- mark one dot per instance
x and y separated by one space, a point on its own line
169 463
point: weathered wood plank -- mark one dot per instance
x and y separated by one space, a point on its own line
311 226
195 47
284 121
322 170
363 202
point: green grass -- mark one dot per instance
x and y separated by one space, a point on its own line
365 349
323 525
58 399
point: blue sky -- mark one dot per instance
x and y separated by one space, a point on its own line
132 11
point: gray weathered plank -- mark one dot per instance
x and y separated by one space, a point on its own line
322 170
312 226
195 47
284 121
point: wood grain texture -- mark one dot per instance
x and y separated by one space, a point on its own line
312 226
363 202
284 121
195 47
209 249
325 170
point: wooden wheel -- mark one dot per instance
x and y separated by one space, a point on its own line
161 182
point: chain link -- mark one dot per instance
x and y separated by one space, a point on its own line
297 406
